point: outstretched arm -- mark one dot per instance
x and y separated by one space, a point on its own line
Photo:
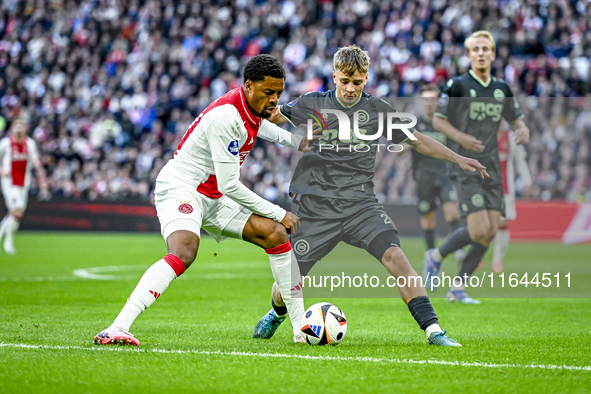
428 146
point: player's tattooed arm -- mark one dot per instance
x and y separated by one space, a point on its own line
521 131
428 146
466 140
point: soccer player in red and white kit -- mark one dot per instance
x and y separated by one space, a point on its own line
199 188
513 157
18 154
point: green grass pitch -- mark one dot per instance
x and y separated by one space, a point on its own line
197 336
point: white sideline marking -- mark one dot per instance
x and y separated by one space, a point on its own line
303 357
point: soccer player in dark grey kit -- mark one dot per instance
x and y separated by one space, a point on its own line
470 110
333 188
431 175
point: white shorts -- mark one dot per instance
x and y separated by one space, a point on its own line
15 197
183 208
510 210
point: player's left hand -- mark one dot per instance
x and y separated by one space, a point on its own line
473 165
305 144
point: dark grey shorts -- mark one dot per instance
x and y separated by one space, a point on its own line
324 222
433 189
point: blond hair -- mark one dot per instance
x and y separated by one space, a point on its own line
350 59
483 34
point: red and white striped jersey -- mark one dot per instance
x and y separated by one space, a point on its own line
224 133
18 159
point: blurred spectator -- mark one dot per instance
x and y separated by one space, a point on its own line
111 86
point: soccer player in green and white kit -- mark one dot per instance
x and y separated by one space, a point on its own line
470 110
432 176
333 189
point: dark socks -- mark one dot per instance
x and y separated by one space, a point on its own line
473 257
279 310
454 224
429 238
458 239
423 312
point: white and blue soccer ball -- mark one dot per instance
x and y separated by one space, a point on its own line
324 323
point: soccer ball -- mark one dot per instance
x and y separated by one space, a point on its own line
324 323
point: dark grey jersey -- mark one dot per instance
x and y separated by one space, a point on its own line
340 168
476 108
426 164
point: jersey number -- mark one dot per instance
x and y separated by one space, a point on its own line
387 219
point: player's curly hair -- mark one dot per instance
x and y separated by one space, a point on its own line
261 66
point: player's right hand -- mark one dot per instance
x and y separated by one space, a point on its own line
291 222
471 143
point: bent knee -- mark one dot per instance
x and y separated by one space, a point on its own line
276 235
186 255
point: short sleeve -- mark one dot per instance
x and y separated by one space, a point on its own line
224 134
511 110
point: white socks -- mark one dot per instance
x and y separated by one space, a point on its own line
436 255
8 227
431 329
501 244
287 276
152 284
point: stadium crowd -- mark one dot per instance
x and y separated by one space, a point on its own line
110 86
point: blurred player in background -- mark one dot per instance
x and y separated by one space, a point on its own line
432 176
470 111
333 190
18 155
200 189
512 157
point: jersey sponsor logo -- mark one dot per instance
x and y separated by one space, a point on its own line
477 200
443 100
473 93
185 208
480 110
301 247
234 148
499 95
